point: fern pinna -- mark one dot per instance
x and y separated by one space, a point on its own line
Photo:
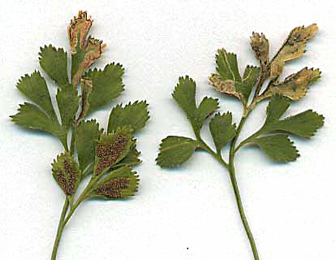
273 136
107 156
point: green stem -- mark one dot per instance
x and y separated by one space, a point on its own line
247 140
60 229
241 211
236 189
81 198
65 218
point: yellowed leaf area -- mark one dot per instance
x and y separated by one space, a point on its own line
293 48
224 86
295 86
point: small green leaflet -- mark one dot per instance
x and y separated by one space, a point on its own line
32 117
250 78
278 147
222 130
134 115
207 107
106 85
87 135
277 106
43 116
118 184
184 95
175 150
304 124
54 63
67 100
227 66
35 88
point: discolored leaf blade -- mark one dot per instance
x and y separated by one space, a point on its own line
228 80
227 87
78 30
35 88
296 85
67 100
293 48
83 58
278 147
84 52
54 62
222 130
118 184
87 135
134 115
175 150
260 46
106 85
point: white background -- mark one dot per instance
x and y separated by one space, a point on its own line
190 212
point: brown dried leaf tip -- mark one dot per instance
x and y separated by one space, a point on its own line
110 149
78 30
260 46
84 51
293 48
66 172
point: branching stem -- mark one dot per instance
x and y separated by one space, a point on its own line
230 167
236 189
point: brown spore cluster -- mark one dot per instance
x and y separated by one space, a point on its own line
112 189
108 153
67 179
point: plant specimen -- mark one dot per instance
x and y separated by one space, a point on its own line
273 136
106 155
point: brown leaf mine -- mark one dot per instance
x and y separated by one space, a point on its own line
225 86
293 48
260 46
295 86
93 51
78 30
